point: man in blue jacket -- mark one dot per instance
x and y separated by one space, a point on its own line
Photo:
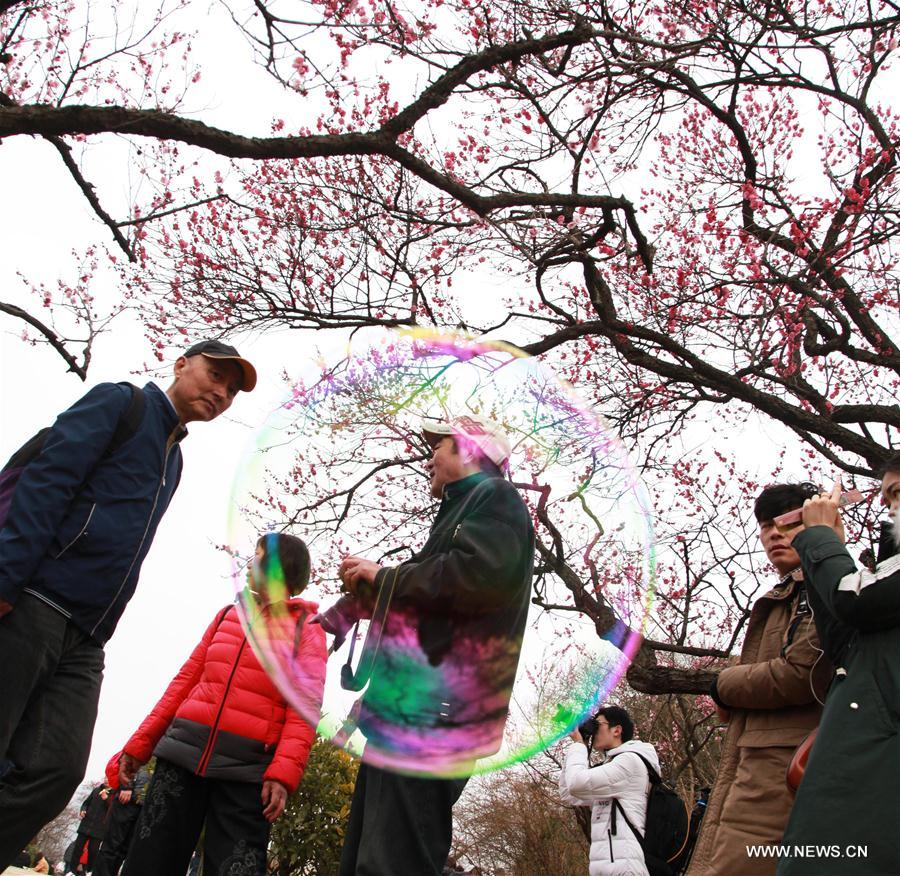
82 518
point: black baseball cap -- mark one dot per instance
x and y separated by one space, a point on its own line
218 350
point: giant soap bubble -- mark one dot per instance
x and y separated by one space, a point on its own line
341 464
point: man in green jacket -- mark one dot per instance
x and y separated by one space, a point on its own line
441 675
848 808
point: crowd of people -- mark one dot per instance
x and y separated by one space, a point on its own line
79 507
821 654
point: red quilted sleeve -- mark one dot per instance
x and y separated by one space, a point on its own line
145 738
112 771
299 733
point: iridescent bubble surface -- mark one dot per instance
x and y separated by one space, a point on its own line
341 465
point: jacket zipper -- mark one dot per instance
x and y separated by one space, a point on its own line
214 729
159 487
81 532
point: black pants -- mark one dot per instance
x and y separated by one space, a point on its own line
177 805
50 676
93 848
399 825
119 828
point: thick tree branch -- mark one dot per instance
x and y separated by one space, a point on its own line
49 335
698 372
87 190
646 676
684 649
439 91
47 120
85 120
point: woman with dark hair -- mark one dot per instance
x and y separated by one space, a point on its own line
229 749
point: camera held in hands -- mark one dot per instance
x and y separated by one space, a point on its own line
340 618
588 728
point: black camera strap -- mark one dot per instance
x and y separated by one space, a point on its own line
356 681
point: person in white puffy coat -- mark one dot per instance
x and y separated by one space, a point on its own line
622 776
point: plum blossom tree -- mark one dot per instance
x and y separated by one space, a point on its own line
689 208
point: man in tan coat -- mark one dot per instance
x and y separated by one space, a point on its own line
771 701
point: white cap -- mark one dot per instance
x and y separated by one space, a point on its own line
484 433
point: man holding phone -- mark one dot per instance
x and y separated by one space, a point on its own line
848 798
771 701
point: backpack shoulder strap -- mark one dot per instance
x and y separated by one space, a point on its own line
131 418
655 779
127 427
29 450
221 615
298 633
617 806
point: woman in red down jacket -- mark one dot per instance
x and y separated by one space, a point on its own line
229 749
